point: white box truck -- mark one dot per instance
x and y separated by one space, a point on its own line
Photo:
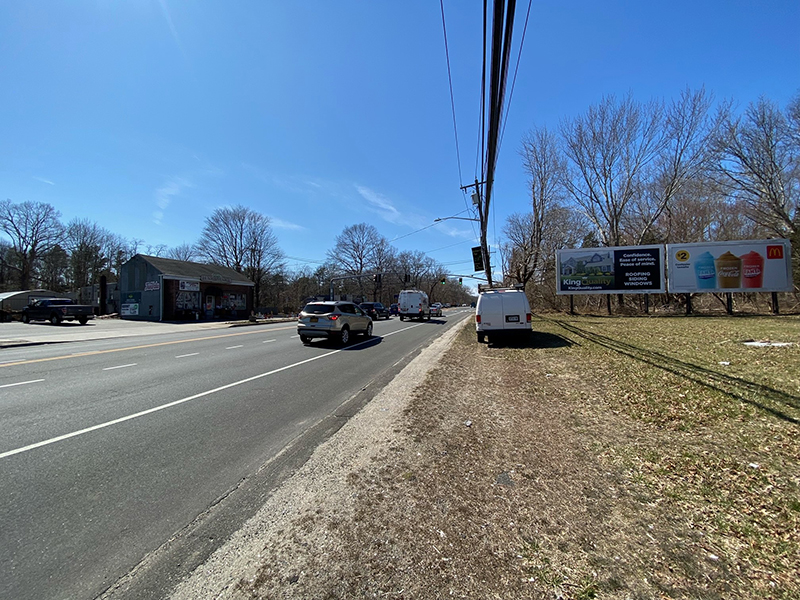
413 304
502 312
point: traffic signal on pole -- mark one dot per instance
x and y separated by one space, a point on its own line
460 281
444 280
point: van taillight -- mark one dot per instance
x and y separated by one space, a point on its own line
528 317
477 318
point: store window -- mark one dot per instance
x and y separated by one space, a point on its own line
234 301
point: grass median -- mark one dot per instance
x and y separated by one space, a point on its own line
610 457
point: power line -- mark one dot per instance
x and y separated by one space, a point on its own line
452 100
400 237
450 246
516 70
306 260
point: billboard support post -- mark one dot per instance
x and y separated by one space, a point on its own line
775 309
571 304
647 304
688 304
729 302
608 303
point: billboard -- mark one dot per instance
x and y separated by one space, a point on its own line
611 270
743 266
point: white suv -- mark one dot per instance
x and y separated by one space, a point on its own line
502 311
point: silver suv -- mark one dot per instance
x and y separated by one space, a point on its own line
336 320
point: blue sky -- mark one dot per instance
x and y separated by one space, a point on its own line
146 115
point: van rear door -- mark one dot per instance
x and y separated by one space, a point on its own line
514 311
490 309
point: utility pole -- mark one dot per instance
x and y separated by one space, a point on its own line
483 213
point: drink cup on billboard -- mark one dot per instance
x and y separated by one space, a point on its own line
729 271
704 271
753 270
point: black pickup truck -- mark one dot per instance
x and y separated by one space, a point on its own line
56 310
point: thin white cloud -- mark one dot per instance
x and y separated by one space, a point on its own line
173 31
43 180
383 207
281 224
165 194
454 230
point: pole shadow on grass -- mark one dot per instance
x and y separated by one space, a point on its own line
733 387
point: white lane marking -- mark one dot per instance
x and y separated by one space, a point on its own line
185 355
234 347
268 341
401 330
21 383
67 436
120 367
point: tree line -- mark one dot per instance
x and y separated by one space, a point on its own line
628 173
42 252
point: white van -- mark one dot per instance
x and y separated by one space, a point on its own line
502 311
413 304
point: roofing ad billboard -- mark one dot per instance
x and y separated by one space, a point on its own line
743 266
612 270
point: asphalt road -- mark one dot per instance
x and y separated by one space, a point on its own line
111 450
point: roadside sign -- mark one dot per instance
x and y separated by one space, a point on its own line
741 266
477 258
611 270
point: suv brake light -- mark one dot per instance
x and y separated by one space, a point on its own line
333 317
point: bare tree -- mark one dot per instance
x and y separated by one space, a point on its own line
242 239
86 241
561 227
758 157
546 169
684 156
184 252
156 249
355 247
34 229
608 150
119 250
355 250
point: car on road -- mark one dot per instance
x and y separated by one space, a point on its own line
394 309
336 320
376 310
436 309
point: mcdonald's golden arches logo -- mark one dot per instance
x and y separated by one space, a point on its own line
774 252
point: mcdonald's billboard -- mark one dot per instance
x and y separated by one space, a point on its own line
742 266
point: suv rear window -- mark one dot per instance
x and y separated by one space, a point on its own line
319 309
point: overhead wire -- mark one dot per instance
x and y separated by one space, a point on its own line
452 99
481 149
516 70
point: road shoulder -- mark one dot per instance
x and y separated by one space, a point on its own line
321 484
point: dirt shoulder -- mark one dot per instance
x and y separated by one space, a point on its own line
609 458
